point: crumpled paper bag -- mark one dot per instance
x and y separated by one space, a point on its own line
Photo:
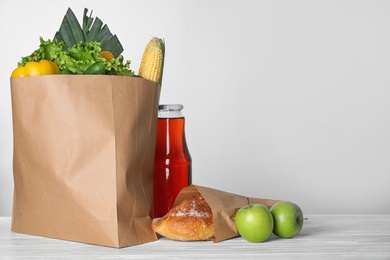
224 206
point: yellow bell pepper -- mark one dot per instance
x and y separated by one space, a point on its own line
33 68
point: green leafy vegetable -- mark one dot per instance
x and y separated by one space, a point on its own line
92 30
78 59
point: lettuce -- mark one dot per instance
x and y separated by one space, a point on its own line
77 59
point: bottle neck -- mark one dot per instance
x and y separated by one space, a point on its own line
171 135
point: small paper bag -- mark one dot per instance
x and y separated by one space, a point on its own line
83 157
224 206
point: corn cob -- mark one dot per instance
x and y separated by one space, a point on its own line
152 63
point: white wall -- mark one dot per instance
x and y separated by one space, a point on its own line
284 99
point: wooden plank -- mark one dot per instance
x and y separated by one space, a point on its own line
322 237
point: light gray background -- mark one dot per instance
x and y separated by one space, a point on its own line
283 99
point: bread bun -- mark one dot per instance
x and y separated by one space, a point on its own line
190 220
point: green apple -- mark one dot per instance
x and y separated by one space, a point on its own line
254 222
288 219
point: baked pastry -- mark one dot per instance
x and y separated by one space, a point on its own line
190 220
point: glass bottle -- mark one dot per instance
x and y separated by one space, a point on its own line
172 165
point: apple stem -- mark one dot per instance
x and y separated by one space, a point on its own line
302 218
248 201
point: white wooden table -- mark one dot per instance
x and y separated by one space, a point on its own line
322 237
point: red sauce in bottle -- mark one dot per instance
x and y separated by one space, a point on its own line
172 166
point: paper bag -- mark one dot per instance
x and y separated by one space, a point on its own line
224 206
83 157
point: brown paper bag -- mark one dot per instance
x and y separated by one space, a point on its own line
83 157
224 206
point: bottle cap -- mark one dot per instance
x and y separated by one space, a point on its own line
170 111
171 107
